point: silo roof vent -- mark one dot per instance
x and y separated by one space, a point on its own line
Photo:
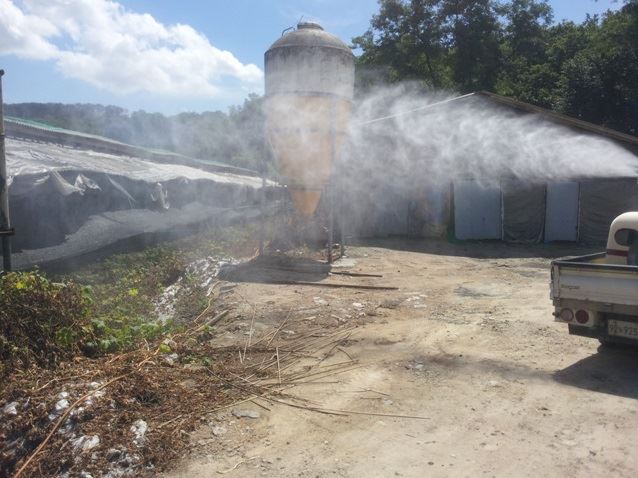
309 26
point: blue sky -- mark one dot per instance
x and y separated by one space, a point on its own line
167 56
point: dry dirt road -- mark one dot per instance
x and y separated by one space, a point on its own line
467 341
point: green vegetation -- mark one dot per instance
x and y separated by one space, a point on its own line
109 306
41 322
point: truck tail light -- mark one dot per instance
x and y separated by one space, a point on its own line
582 316
567 315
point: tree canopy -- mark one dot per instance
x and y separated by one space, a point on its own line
235 137
587 70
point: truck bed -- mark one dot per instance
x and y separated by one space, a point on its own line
589 278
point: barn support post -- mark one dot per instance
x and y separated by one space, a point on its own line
5 223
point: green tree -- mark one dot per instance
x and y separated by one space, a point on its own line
600 82
472 38
403 43
525 73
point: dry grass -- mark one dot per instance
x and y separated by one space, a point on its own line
170 394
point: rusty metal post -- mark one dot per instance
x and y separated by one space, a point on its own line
5 223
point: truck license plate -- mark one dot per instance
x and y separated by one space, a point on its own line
620 328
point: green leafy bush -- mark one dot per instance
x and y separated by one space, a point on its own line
41 321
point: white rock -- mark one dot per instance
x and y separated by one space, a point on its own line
219 431
357 305
171 359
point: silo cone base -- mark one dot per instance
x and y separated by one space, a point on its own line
305 201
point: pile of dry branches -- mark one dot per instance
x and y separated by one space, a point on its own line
133 413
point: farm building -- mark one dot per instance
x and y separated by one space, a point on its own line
530 210
72 194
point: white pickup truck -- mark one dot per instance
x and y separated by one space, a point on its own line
597 294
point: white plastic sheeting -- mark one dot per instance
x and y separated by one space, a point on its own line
56 190
26 158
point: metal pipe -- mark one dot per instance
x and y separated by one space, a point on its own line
415 110
5 223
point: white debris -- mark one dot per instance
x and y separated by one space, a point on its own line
85 443
10 408
246 414
357 305
97 394
320 301
61 405
139 429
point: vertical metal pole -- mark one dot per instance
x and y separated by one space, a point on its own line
333 148
5 223
342 222
262 200
330 222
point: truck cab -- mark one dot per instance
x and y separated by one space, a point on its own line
623 236
597 295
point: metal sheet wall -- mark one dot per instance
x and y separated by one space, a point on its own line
561 217
477 211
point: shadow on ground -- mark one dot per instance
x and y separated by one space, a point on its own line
612 371
479 249
275 269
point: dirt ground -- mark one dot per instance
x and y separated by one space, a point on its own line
468 343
